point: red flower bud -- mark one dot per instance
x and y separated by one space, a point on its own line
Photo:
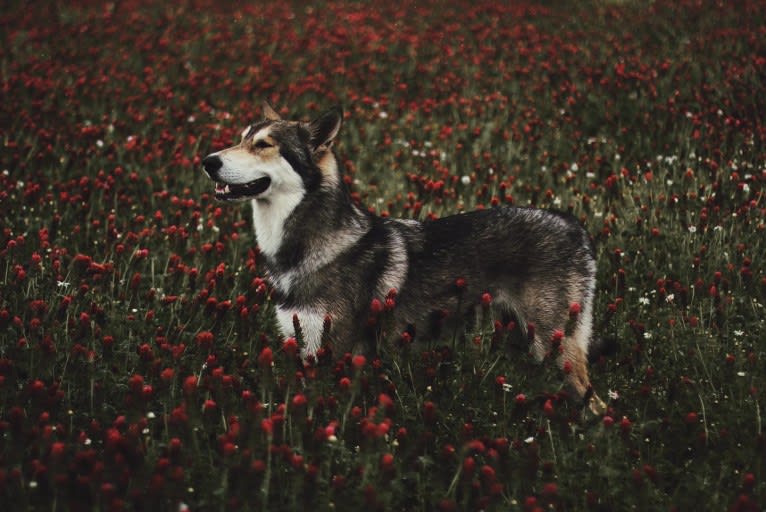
266 357
574 309
358 361
290 346
387 462
469 465
376 307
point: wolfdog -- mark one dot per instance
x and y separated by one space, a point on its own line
329 259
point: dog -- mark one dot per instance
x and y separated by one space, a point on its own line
329 259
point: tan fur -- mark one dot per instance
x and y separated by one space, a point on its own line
269 113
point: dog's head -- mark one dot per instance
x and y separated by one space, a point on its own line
277 157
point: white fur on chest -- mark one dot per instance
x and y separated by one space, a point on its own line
272 208
311 322
269 220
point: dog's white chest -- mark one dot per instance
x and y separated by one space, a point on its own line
311 323
269 216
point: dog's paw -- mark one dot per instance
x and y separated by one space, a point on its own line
596 406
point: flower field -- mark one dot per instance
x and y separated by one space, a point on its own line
140 366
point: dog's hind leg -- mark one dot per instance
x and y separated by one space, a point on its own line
571 353
575 363
545 314
574 359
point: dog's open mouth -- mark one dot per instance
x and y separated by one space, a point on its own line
229 192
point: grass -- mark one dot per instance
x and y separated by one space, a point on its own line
140 366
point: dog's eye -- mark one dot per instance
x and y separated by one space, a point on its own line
261 144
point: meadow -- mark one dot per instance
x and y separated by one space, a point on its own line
140 366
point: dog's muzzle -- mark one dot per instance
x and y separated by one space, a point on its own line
228 191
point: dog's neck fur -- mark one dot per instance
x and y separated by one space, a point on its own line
303 233
269 219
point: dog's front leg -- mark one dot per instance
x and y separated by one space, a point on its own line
306 325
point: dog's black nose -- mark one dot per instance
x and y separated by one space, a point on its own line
211 164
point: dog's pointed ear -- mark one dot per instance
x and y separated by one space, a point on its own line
269 112
325 128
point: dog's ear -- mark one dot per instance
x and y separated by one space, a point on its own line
269 112
325 128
